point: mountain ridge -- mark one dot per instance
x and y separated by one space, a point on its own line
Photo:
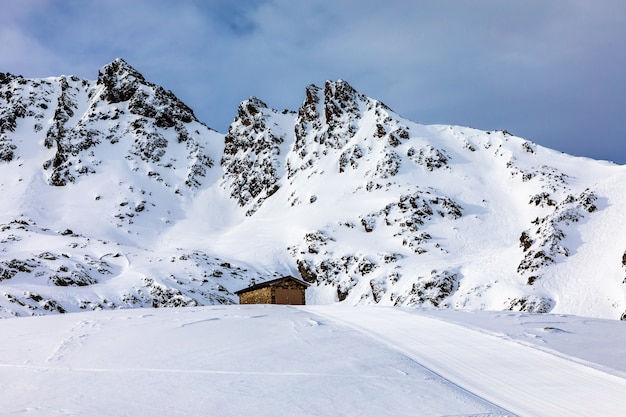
118 196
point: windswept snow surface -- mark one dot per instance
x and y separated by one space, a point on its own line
311 361
528 382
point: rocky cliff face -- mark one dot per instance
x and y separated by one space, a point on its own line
252 154
74 118
120 154
115 195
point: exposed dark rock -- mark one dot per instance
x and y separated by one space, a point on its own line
378 289
44 304
543 244
350 157
525 241
162 296
326 120
528 147
120 81
7 150
77 278
433 290
308 120
542 199
10 268
531 304
250 159
429 157
341 111
369 223
306 270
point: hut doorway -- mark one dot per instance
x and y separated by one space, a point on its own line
288 296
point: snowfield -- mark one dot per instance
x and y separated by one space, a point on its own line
331 360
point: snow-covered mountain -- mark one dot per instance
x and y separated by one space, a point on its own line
114 195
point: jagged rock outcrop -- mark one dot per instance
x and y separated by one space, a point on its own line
543 244
121 108
21 98
329 119
326 120
252 154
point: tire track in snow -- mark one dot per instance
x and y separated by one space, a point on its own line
516 377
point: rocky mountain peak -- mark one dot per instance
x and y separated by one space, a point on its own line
322 116
120 80
328 123
308 109
251 154
77 119
250 111
339 97
123 83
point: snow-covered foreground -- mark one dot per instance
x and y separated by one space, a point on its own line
526 381
311 361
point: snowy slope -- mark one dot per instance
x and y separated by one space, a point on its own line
115 195
317 361
521 380
93 174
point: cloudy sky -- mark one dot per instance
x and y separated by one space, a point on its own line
551 71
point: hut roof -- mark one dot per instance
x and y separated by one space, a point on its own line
272 283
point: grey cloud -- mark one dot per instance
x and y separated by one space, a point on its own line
548 70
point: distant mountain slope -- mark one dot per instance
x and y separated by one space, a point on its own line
113 188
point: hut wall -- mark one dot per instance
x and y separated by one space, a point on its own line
292 288
260 296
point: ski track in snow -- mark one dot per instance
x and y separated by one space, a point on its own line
235 361
77 336
310 361
191 371
516 377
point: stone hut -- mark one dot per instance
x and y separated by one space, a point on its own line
285 290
